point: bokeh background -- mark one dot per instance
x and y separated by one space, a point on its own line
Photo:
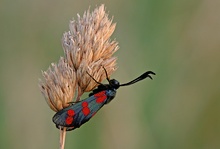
178 39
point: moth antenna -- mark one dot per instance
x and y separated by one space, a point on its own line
94 79
106 73
141 77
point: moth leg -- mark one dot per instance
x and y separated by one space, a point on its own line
72 102
67 128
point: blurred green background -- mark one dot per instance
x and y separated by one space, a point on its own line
177 39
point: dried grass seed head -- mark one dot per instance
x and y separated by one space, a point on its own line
88 48
59 85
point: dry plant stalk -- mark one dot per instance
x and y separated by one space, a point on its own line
87 48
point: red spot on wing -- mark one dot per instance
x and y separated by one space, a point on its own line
71 112
100 97
85 104
69 120
85 109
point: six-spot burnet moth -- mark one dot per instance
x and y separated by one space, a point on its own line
80 112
